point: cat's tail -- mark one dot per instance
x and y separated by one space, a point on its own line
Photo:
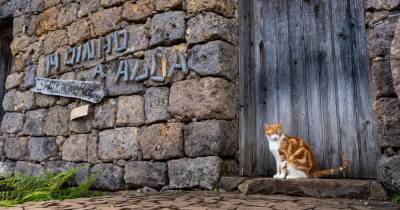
332 171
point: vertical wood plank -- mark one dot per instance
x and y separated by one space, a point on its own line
367 143
298 77
313 71
328 89
345 85
246 92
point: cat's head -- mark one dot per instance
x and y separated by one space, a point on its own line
273 131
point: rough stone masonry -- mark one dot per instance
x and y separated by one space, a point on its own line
177 132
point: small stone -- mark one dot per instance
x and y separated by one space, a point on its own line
12 122
41 148
226 8
88 7
109 3
8 100
105 21
156 104
167 28
57 121
37 6
14 80
20 43
93 147
79 31
51 3
201 172
16 148
146 174
162 141
380 38
119 143
138 11
68 14
34 123
209 26
207 98
231 183
48 22
146 190
24 101
29 169
211 138
130 111
7 169
105 114
108 177
388 173
75 148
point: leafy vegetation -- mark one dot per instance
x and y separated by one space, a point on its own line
23 188
396 198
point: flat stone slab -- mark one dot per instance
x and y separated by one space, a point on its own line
205 200
320 188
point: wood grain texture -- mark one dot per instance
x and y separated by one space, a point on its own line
305 65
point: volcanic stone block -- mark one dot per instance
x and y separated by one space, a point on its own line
121 87
108 176
210 26
42 148
51 3
63 166
37 6
68 14
139 11
92 151
48 22
57 121
29 169
208 138
156 104
75 148
79 31
109 3
119 143
207 98
162 141
105 114
34 123
24 101
146 174
29 77
382 79
105 21
167 28
382 4
44 100
388 172
82 124
215 58
87 7
16 148
226 8
395 60
387 112
14 80
7 169
380 38
54 40
201 172
20 43
165 5
12 122
130 111
8 100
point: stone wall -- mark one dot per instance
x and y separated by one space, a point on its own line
382 18
177 133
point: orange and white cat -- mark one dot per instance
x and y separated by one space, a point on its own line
294 158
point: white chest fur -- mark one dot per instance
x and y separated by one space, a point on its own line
274 148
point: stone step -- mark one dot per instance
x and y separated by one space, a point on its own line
321 188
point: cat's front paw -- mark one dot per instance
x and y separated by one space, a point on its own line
279 176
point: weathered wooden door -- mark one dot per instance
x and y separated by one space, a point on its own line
304 64
5 56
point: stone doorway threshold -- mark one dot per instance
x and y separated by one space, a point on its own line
320 188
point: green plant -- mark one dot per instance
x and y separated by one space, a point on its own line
22 188
396 198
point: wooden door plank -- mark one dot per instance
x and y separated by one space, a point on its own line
367 143
263 159
298 81
246 91
283 70
346 101
311 43
328 91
